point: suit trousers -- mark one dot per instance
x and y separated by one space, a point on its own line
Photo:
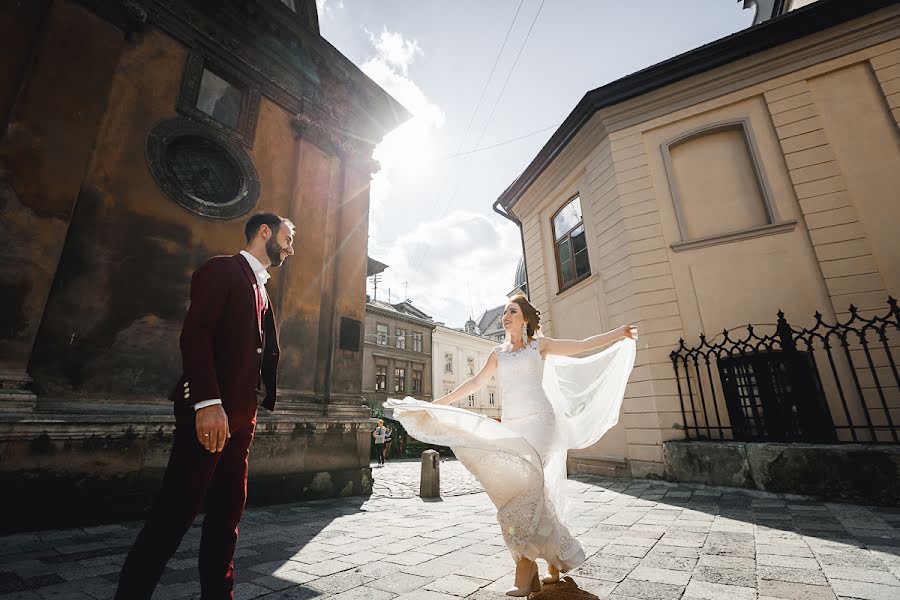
195 479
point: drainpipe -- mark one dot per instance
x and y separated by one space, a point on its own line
501 210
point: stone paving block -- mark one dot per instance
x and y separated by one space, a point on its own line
785 550
741 576
432 569
378 570
795 562
649 591
26 595
861 574
247 591
277 583
297 593
363 558
658 575
363 593
669 561
703 590
865 591
457 585
423 594
794 591
328 567
683 540
621 550
808 576
337 583
399 583
177 591
487 570
606 568
409 558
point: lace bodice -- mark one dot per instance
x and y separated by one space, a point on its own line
521 374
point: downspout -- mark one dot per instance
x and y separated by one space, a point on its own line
512 217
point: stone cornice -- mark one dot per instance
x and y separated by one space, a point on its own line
292 64
399 317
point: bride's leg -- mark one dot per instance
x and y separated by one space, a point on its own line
527 580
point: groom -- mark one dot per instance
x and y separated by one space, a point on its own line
229 352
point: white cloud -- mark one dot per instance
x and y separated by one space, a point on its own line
327 7
394 49
405 153
455 267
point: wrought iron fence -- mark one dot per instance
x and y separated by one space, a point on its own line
829 383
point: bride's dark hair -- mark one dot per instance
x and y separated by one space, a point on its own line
530 313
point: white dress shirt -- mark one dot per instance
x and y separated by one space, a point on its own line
262 276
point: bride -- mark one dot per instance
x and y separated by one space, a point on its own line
551 403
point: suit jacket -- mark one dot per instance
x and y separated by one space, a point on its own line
223 354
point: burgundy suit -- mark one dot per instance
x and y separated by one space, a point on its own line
229 350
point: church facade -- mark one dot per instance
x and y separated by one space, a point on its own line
137 138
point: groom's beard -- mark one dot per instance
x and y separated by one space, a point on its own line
273 249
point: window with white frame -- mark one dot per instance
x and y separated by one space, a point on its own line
448 362
401 338
471 399
381 334
416 341
491 398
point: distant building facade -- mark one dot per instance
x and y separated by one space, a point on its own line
397 352
458 355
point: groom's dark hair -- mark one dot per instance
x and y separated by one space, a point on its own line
264 218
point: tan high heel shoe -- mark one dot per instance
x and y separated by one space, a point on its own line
527 580
553 577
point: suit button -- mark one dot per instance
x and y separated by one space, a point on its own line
259 350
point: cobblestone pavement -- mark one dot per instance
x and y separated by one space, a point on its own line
400 479
645 540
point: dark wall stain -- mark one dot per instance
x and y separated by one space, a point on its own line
120 292
13 321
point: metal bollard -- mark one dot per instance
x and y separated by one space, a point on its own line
430 483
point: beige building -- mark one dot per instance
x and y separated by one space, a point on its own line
458 355
759 172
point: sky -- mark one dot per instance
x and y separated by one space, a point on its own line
483 105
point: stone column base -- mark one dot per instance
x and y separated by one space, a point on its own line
15 392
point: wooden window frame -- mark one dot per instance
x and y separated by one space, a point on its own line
559 279
400 380
199 60
416 378
383 382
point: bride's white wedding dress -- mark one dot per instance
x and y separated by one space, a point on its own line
549 406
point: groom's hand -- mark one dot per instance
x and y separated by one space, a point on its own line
212 427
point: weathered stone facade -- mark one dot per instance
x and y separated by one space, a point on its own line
97 256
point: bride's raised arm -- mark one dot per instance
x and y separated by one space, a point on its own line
473 384
571 347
